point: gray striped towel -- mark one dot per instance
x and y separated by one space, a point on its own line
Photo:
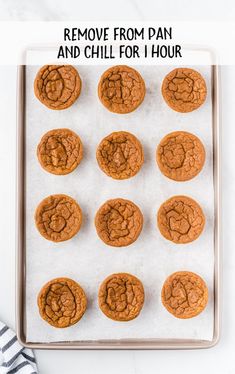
13 357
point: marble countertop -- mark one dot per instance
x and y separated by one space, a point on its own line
218 360
123 10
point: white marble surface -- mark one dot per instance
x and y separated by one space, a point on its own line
217 360
122 10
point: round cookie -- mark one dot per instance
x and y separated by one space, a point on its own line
57 86
184 90
120 155
180 156
121 89
118 222
62 302
121 297
180 219
60 151
58 218
184 294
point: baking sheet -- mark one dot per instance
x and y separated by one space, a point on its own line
85 258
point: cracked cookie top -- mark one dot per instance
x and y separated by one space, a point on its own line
62 302
118 222
121 89
57 86
121 297
180 155
58 218
184 90
60 151
120 155
180 219
184 294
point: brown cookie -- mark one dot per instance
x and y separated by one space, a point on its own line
184 294
60 151
120 155
121 89
62 302
180 219
184 90
118 222
180 156
121 297
58 218
57 86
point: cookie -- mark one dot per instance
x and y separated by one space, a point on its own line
121 297
180 156
60 151
184 294
118 222
120 155
180 219
184 90
121 89
57 86
58 218
62 302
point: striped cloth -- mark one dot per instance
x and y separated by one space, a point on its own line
13 357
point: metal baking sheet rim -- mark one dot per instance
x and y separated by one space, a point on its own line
20 248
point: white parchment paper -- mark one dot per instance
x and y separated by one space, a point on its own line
85 258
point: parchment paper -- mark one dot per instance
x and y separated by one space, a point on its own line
85 258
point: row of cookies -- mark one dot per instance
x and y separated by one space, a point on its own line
180 155
62 302
121 89
119 222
